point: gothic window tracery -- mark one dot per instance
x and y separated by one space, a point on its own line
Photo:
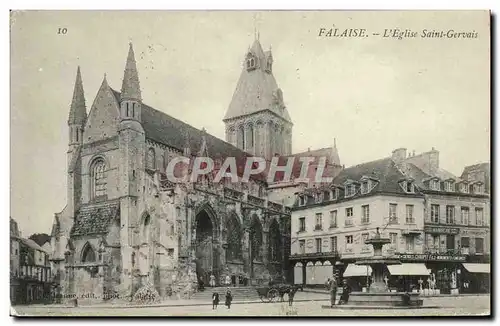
151 159
234 236
98 179
274 242
256 239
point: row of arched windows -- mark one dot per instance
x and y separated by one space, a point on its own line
151 162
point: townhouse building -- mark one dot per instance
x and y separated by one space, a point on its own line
456 221
330 224
438 223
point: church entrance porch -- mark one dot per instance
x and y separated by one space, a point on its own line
206 253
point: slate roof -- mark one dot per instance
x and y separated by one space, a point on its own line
481 167
256 89
297 165
95 218
384 170
167 130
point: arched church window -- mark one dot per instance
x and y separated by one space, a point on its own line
151 158
241 137
146 229
250 137
98 179
88 254
234 236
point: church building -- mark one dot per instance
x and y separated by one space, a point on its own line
126 226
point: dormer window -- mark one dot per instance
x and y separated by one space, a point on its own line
408 186
365 186
448 186
251 62
333 194
464 188
478 188
319 197
434 184
350 190
302 201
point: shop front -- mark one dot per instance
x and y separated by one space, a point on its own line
444 270
475 278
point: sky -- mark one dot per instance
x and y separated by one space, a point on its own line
372 94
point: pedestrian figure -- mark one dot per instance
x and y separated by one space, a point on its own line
291 295
229 298
332 287
212 280
344 298
215 300
228 280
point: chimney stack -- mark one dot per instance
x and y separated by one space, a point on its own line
399 155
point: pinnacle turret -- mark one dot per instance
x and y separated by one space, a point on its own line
130 87
78 111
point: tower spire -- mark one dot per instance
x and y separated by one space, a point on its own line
78 111
130 87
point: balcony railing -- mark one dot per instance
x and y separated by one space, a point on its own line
365 221
318 227
333 225
393 220
349 222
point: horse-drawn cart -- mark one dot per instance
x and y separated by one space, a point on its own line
271 293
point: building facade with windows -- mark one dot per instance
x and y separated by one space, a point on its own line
432 217
456 221
330 224
30 272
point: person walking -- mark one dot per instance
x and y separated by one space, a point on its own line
229 298
333 291
291 295
212 280
346 290
215 300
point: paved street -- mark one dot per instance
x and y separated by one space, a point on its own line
449 306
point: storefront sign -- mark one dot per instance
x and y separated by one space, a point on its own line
432 257
441 230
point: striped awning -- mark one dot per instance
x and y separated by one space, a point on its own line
477 268
408 269
357 270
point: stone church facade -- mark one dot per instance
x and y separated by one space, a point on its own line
125 226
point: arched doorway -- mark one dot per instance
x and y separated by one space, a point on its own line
205 249
255 236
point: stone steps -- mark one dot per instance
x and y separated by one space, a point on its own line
238 293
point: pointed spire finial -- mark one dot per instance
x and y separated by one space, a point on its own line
130 86
335 142
78 111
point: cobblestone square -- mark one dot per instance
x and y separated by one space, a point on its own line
448 306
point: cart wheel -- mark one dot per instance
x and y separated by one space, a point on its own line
272 295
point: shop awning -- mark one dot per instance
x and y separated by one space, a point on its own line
477 268
357 270
408 269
